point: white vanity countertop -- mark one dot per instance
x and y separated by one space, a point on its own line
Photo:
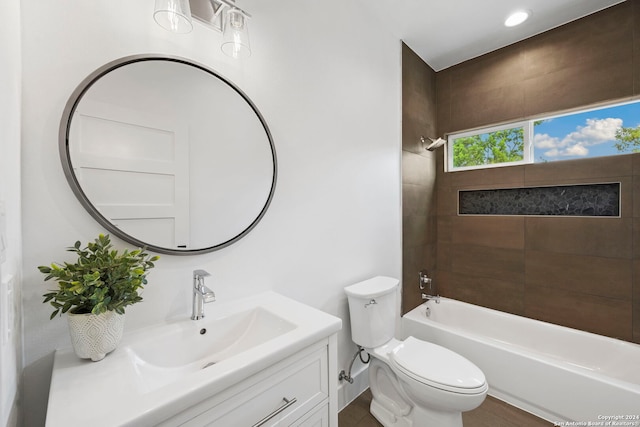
110 392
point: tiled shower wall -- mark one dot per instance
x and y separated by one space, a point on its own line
418 174
578 272
573 271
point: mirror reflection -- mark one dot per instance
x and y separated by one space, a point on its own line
165 153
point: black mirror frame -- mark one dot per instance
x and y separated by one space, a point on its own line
65 158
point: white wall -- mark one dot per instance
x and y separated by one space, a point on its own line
327 80
10 260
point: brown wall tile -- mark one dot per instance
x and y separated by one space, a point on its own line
636 280
417 169
476 108
489 231
492 293
607 169
605 316
419 228
418 199
488 262
605 237
443 256
588 42
636 243
418 101
636 323
447 199
635 202
415 230
445 229
443 99
495 70
506 177
560 90
598 276
488 88
635 4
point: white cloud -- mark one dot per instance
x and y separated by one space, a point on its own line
596 131
576 150
542 140
554 152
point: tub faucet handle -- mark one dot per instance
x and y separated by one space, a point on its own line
424 279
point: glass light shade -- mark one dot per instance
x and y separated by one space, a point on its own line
173 15
235 37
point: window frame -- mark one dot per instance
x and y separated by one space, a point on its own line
527 150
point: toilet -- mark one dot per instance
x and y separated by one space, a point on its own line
414 383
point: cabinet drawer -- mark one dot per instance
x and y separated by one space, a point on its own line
318 418
290 393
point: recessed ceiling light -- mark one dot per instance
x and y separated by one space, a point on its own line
517 18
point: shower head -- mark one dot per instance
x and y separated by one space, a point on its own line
435 143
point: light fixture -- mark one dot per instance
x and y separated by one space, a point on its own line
173 15
221 15
517 18
235 37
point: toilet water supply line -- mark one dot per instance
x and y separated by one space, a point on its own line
347 376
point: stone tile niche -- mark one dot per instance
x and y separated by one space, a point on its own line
592 200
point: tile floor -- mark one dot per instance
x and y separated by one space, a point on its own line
492 413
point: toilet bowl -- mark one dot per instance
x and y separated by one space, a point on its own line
414 383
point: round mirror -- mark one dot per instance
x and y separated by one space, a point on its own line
165 153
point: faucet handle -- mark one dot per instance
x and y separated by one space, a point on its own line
208 295
424 279
200 273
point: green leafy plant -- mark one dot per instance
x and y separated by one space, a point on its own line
102 279
628 139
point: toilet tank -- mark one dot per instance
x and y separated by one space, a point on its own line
372 309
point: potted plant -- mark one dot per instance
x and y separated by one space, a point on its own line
94 292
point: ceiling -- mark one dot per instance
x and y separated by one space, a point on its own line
446 32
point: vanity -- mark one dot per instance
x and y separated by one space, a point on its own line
264 360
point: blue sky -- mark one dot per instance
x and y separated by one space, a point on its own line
581 135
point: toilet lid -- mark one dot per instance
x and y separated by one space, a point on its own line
438 367
372 288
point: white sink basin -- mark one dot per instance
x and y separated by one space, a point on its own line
209 341
167 368
168 354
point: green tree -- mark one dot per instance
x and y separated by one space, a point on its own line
495 147
628 140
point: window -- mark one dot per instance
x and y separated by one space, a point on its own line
591 133
496 146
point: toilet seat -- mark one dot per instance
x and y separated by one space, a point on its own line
438 367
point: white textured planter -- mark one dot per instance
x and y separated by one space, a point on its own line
95 335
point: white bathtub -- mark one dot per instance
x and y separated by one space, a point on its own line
557 373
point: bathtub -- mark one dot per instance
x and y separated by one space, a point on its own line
559 374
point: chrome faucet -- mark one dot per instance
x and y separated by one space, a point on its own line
201 294
425 280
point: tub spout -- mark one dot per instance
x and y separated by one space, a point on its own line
431 297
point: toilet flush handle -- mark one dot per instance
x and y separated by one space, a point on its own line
371 302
